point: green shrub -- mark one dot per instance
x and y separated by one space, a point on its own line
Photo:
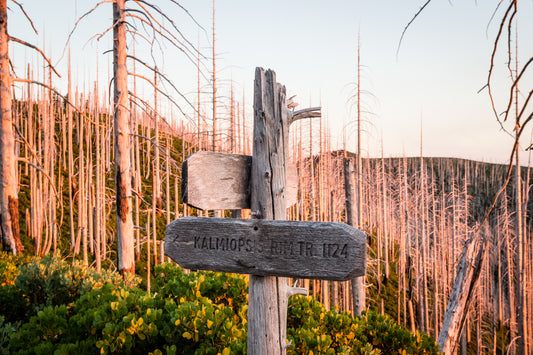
6 332
222 288
49 281
197 313
313 329
120 320
9 267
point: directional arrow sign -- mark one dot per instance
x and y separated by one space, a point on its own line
221 181
313 250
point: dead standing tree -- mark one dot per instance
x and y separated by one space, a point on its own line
9 201
125 236
9 214
358 283
159 27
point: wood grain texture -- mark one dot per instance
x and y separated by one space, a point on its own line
268 295
468 272
221 181
216 181
314 250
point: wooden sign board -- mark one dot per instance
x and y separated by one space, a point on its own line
312 250
221 181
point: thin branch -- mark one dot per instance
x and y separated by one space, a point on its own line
515 83
25 141
172 160
305 113
408 25
172 39
60 95
492 58
164 77
509 50
78 22
12 67
27 17
24 160
98 37
164 94
165 16
509 171
147 106
492 17
188 13
37 49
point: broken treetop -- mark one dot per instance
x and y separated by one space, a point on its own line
314 250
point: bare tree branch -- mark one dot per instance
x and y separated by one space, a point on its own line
164 94
172 161
409 24
513 87
25 14
170 37
147 106
509 170
164 77
492 17
28 81
165 16
78 22
305 113
36 49
492 58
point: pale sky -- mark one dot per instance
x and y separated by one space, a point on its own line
442 63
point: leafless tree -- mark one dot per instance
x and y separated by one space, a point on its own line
9 201
143 21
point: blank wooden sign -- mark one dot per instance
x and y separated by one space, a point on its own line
313 250
221 181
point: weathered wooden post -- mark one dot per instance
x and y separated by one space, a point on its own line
268 295
267 247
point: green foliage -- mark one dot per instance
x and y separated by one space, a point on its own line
179 320
313 329
195 313
222 288
6 332
9 267
31 286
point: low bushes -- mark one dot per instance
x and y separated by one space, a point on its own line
64 309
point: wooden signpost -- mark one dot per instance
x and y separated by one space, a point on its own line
266 246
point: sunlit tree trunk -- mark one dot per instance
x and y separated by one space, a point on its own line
214 143
124 223
358 285
9 202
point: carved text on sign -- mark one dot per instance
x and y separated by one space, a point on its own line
320 250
